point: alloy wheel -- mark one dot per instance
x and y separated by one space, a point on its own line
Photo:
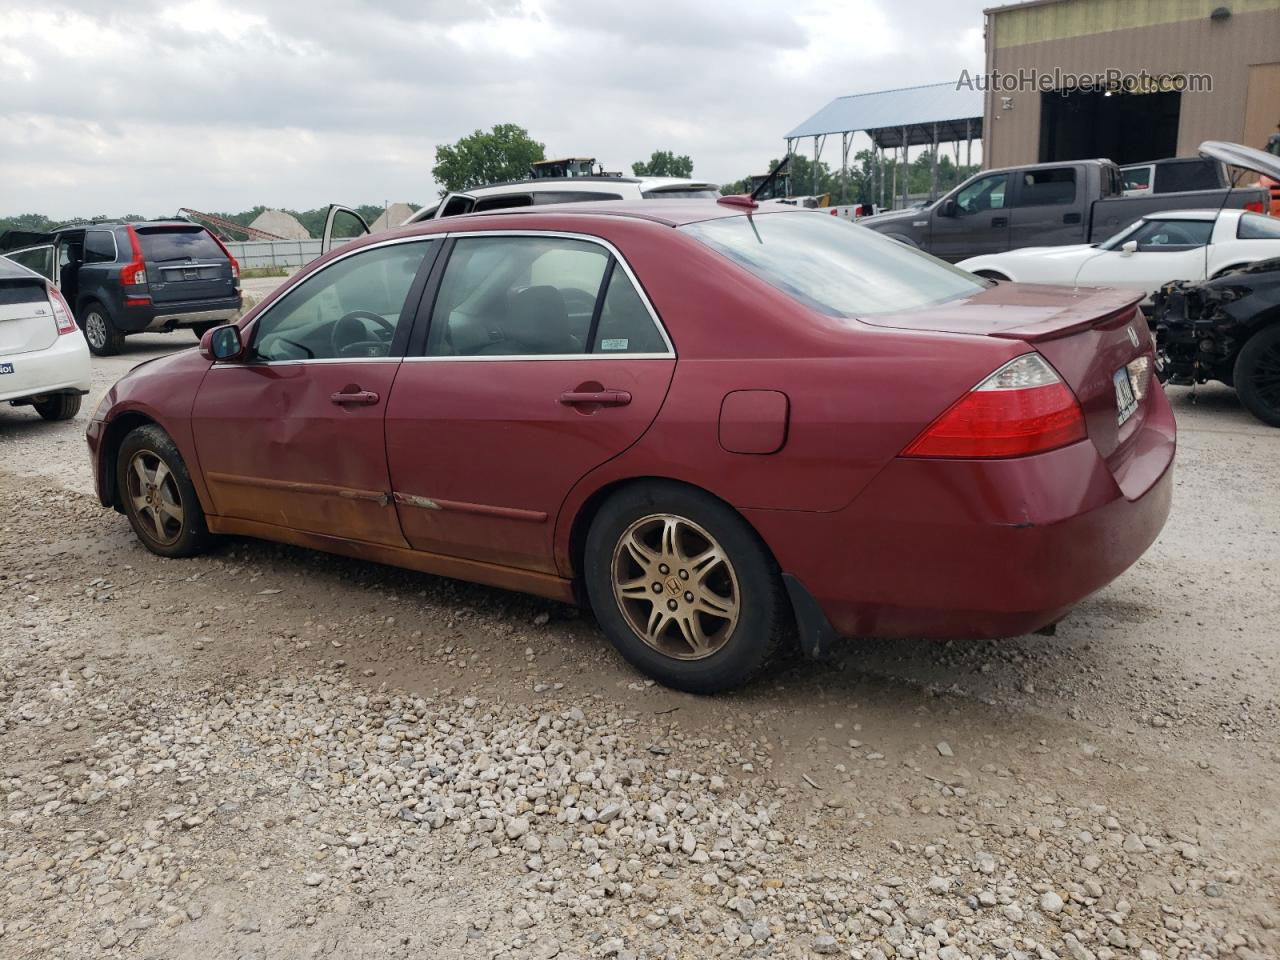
675 586
95 329
155 497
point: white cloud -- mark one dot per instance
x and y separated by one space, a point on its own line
221 104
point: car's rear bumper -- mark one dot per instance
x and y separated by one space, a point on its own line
179 313
61 368
979 548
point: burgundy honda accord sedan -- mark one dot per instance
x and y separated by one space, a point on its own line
721 428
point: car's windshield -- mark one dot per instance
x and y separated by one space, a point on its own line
833 266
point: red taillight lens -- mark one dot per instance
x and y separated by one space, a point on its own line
235 264
1022 408
1254 207
134 273
61 312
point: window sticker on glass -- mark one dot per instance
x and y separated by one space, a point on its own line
616 343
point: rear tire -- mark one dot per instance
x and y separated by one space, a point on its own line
100 331
158 497
684 588
1257 375
62 406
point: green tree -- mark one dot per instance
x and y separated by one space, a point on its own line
504 153
663 163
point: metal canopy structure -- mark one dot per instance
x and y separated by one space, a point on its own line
896 120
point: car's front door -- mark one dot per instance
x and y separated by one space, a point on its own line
1166 249
542 360
974 220
341 225
292 436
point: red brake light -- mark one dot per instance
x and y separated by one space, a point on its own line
1254 207
1022 408
235 264
134 273
61 311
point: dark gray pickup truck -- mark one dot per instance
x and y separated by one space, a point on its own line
1040 205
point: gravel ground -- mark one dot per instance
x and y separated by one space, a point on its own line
267 752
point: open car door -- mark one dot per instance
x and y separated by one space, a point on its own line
341 225
39 258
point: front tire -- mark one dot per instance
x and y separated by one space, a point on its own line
62 406
684 588
1257 375
100 331
158 497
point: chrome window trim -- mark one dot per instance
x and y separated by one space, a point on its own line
299 279
621 261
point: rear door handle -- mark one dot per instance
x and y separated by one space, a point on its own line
605 398
359 398
999 221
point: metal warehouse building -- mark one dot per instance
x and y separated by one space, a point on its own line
1152 57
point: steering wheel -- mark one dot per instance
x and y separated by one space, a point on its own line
350 338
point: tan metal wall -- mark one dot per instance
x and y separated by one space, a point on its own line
1225 49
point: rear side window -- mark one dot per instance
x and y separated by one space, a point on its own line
681 193
510 296
1190 175
504 202
833 266
1042 188
571 196
1139 178
161 244
1255 227
99 247
39 259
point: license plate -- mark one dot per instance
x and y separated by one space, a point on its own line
1126 402
6 368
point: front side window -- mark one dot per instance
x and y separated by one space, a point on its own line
349 310
1162 236
987 193
1042 188
531 296
1255 227
99 247
833 266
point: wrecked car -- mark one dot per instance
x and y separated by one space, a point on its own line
1225 329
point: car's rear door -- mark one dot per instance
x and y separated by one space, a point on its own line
293 436
541 360
184 263
1046 211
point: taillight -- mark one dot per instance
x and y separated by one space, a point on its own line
61 312
1022 408
134 273
1254 207
235 264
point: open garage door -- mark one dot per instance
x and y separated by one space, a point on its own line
1124 127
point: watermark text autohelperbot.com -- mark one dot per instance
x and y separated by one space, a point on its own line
1111 80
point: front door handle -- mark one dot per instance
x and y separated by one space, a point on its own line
358 398
1071 218
604 398
999 221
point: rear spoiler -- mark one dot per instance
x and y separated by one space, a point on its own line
1103 308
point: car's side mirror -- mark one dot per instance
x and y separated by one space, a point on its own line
222 344
1128 247
949 208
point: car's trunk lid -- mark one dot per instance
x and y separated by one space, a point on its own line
26 317
184 263
1087 334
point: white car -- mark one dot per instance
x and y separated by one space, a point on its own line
44 359
343 223
1176 245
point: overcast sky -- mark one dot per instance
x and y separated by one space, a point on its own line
112 107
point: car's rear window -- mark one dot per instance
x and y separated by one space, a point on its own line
177 243
833 266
